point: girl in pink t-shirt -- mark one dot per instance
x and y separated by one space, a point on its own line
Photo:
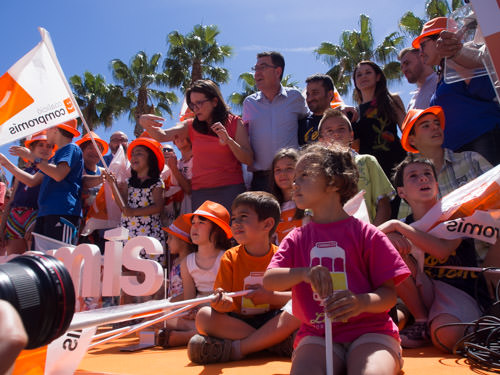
356 256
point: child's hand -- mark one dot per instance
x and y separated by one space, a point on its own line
222 302
171 160
259 295
109 176
342 305
21 152
320 280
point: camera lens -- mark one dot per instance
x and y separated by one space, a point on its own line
40 289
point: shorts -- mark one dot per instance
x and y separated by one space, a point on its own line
19 222
63 228
256 321
342 350
442 298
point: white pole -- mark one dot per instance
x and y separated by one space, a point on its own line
329 345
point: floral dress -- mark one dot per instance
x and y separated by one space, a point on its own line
378 137
140 194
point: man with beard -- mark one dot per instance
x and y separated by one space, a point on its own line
417 72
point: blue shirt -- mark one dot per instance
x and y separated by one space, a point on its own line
470 110
63 198
273 125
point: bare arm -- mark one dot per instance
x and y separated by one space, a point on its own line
383 212
152 124
90 181
14 337
399 108
187 281
281 279
184 183
440 248
240 145
26 178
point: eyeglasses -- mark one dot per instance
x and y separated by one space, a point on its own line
263 66
197 105
168 149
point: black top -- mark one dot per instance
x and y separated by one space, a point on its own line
379 138
308 129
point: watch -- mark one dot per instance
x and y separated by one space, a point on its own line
37 161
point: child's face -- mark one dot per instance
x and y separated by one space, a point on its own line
174 244
246 226
90 155
419 183
52 134
336 130
200 230
139 158
428 132
43 149
310 187
284 170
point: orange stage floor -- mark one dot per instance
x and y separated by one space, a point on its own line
107 359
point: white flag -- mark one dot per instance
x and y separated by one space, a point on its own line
34 94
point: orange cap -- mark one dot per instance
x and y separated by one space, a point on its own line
70 126
155 146
411 118
180 229
98 139
214 212
40 136
434 26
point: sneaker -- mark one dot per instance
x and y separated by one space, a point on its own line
206 349
415 335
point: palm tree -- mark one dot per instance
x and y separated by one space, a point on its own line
411 25
137 80
249 87
98 101
195 56
355 46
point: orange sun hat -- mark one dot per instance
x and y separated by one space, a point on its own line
70 126
180 229
432 27
99 140
146 141
40 136
411 118
214 212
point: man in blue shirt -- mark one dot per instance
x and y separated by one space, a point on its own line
272 116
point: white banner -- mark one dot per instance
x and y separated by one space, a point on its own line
34 95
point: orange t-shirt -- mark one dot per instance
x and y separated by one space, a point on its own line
239 269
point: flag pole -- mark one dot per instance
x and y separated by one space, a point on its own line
50 47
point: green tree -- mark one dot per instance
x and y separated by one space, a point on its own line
99 102
248 82
139 80
412 25
194 56
355 46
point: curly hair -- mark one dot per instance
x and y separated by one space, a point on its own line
337 165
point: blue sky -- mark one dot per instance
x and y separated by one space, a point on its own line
88 34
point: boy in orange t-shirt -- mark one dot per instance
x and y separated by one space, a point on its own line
248 324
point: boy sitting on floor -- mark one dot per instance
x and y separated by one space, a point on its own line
244 325
437 296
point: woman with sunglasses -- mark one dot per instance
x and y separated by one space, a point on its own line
220 144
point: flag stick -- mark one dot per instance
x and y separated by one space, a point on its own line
328 345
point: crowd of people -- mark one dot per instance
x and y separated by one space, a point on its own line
285 234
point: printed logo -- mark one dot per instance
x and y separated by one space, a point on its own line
69 105
13 98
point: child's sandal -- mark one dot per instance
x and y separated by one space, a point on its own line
162 337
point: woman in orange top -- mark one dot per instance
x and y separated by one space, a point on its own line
220 144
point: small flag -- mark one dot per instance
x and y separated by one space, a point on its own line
34 94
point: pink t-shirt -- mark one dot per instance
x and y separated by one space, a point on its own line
359 255
214 164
